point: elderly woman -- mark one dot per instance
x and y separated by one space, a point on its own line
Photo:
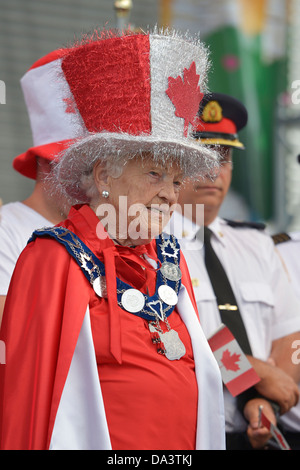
104 349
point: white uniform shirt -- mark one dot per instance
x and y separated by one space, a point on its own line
268 305
289 252
17 222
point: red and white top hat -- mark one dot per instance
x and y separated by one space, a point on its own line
135 92
44 109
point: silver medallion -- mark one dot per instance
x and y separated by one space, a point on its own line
133 300
170 271
174 347
167 295
99 286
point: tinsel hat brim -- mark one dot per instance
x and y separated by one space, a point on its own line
195 159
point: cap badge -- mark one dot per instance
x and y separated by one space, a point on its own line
212 112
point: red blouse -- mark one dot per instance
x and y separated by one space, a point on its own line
150 401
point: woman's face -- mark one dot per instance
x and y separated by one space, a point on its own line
143 198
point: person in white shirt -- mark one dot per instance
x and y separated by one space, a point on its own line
19 219
43 207
17 223
288 246
269 309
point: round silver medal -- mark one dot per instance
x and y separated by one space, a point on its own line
167 295
170 271
133 300
99 286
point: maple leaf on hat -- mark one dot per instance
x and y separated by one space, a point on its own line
185 95
70 106
230 360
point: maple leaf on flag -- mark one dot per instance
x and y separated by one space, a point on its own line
185 95
230 360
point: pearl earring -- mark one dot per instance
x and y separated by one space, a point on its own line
105 194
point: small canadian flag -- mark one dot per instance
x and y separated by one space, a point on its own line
282 443
237 373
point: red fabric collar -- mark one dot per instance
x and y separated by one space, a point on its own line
126 263
85 222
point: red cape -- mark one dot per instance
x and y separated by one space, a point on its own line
41 324
44 311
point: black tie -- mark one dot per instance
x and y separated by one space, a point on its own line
228 307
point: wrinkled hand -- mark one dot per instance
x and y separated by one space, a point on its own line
258 436
276 385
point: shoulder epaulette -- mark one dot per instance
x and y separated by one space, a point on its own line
280 238
256 225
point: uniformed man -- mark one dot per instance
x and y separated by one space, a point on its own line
263 299
288 245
